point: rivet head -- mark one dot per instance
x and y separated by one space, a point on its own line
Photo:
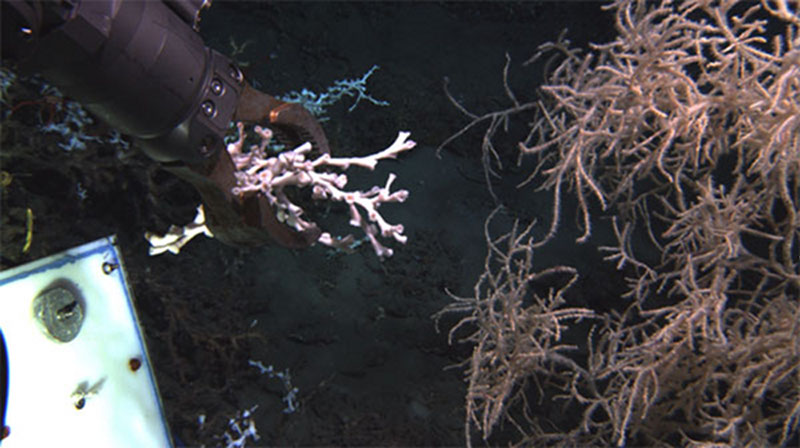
134 364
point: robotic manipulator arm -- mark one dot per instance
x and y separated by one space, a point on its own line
142 67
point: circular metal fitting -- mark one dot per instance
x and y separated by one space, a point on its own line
208 108
60 311
109 267
217 87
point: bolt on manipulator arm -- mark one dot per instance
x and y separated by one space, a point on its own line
142 67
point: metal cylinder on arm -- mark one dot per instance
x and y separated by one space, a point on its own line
141 67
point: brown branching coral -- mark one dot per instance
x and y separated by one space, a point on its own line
668 376
683 86
519 329
684 129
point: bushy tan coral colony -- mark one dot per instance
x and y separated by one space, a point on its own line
685 129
